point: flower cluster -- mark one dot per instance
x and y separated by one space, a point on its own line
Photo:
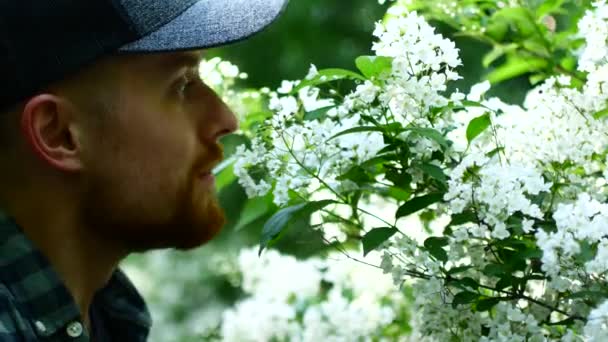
593 29
304 151
497 192
581 222
422 62
163 277
311 300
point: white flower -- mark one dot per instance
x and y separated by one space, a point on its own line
599 264
478 90
596 329
228 69
258 320
515 314
367 92
312 72
310 99
527 225
286 87
387 263
500 231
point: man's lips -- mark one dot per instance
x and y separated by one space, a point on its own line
206 176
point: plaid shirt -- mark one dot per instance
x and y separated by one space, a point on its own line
36 306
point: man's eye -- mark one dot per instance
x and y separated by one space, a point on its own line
184 84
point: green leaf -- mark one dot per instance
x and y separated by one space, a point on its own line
537 45
435 172
398 193
254 118
477 126
226 176
537 78
587 253
497 52
317 114
602 113
418 203
464 297
459 269
356 174
253 210
374 66
401 179
430 134
469 103
469 282
548 7
519 17
378 160
462 218
362 129
486 304
434 245
495 152
276 225
326 76
568 63
516 66
495 270
497 29
436 241
376 237
505 282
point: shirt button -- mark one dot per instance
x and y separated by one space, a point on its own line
40 327
74 329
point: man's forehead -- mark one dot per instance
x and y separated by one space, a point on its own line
158 66
180 59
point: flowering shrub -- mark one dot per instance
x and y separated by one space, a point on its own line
512 198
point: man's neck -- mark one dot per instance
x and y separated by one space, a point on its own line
83 261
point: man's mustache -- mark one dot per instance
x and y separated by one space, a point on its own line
214 154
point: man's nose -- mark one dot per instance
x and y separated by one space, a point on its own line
220 119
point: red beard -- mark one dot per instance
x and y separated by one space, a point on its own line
196 216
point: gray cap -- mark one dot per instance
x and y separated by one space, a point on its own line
42 41
204 23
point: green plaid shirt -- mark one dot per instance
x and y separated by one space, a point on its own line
36 306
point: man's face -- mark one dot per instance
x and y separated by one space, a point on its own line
146 176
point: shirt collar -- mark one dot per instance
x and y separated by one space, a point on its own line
40 292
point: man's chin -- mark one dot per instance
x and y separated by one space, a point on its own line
198 237
195 221
186 230
182 235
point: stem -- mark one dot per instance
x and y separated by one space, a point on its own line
343 252
514 295
314 175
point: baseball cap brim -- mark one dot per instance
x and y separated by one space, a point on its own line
210 23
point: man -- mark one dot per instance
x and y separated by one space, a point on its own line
107 142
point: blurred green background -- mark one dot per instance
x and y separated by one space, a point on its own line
188 291
326 33
331 34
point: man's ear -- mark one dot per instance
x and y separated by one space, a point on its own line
48 126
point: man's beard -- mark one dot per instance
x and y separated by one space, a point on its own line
196 216
194 223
